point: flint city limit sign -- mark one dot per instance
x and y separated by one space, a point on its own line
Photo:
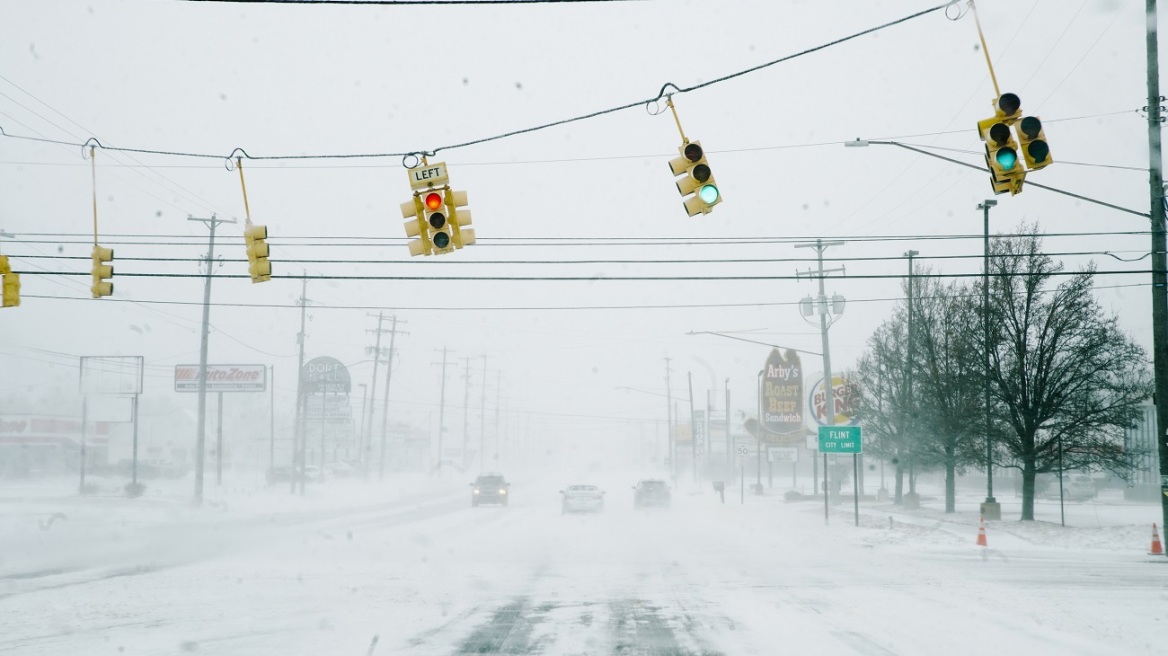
840 439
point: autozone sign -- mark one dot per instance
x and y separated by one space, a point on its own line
222 378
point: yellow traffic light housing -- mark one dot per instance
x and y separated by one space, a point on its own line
433 216
1032 141
459 219
102 272
9 284
439 227
697 185
1006 171
260 269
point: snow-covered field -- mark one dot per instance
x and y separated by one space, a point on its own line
407 567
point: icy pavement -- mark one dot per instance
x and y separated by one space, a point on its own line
416 571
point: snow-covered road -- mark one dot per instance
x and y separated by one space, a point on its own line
426 574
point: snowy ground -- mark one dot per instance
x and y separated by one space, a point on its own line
409 568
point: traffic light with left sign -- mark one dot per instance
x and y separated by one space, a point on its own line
433 217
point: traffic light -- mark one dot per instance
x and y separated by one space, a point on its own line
257 253
1032 140
102 271
459 219
439 228
1006 173
697 179
10 284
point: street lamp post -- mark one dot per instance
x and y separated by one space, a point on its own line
990 508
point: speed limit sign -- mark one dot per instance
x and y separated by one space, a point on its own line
743 451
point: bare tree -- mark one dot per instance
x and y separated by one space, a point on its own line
1063 374
881 396
948 380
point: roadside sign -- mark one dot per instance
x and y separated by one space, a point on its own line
782 454
743 450
840 439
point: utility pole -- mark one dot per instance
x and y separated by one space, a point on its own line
669 420
990 508
298 428
367 456
693 429
393 331
483 420
498 404
201 430
907 422
442 410
465 412
829 396
1159 259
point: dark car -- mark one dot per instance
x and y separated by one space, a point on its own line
490 488
651 493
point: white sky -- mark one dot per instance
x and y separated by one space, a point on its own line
203 77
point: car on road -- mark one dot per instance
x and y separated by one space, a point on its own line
581 498
651 493
490 487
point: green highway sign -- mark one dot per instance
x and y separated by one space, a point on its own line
840 439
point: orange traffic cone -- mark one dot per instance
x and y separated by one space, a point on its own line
981 538
1157 548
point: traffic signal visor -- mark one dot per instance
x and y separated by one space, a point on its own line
697 184
102 271
460 219
412 211
1032 142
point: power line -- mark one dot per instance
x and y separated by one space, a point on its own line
378 241
590 279
769 260
561 160
527 308
240 152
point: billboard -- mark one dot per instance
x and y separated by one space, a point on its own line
841 392
222 377
782 393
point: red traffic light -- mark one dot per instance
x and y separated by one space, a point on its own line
433 201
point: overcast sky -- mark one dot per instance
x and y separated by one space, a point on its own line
310 80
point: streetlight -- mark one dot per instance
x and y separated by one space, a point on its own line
990 509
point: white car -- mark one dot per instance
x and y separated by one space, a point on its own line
582 498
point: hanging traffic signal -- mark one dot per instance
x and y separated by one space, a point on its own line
433 216
258 265
459 219
697 179
102 271
9 284
1006 172
1032 141
439 227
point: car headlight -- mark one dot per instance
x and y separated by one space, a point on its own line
476 491
502 491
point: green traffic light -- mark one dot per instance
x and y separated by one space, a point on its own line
1006 158
708 194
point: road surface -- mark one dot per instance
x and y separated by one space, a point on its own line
431 575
